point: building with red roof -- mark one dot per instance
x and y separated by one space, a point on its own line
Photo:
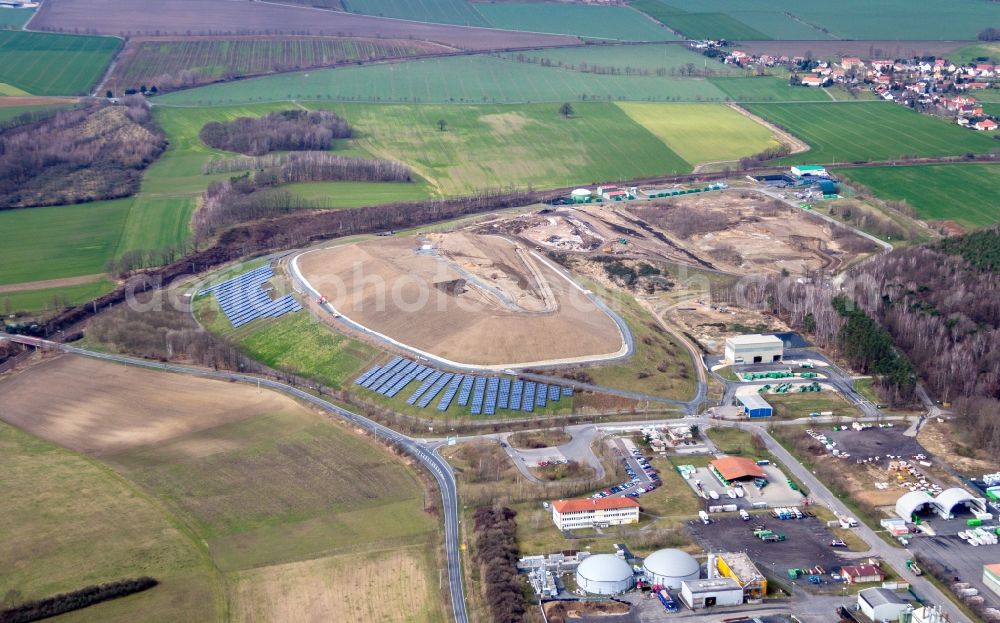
594 512
729 468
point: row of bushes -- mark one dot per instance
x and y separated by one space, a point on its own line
496 554
75 600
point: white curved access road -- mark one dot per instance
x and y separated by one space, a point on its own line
303 286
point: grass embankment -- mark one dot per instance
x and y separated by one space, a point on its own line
663 61
660 366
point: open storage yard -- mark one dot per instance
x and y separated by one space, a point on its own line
478 300
290 515
806 544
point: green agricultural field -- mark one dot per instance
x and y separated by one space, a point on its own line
767 89
485 79
594 22
663 60
359 194
699 25
156 222
83 524
146 62
489 146
11 113
14 19
702 132
862 131
964 193
51 64
436 11
60 241
52 299
857 19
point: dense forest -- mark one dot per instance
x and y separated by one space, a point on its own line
286 130
87 154
933 310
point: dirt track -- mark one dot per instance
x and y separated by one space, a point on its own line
229 17
498 317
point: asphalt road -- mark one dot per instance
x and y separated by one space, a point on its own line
419 449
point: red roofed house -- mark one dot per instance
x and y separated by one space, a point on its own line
590 512
812 80
862 574
851 61
986 125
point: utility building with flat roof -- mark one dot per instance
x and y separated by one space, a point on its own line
739 567
710 593
755 406
754 349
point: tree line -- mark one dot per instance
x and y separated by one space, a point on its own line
67 602
284 130
248 197
496 554
87 154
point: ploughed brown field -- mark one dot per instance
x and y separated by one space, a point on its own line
100 408
471 299
229 17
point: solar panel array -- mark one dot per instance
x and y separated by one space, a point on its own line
484 395
243 298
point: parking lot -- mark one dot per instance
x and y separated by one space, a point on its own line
777 492
960 559
642 476
806 545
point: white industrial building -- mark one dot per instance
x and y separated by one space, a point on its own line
881 604
670 567
714 592
944 504
754 348
590 513
605 574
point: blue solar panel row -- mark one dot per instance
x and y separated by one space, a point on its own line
449 393
528 401
428 382
244 300
541 395
465 390
375 379
478 393
367 375
434 390
483 394
490 405
515 395
503 399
